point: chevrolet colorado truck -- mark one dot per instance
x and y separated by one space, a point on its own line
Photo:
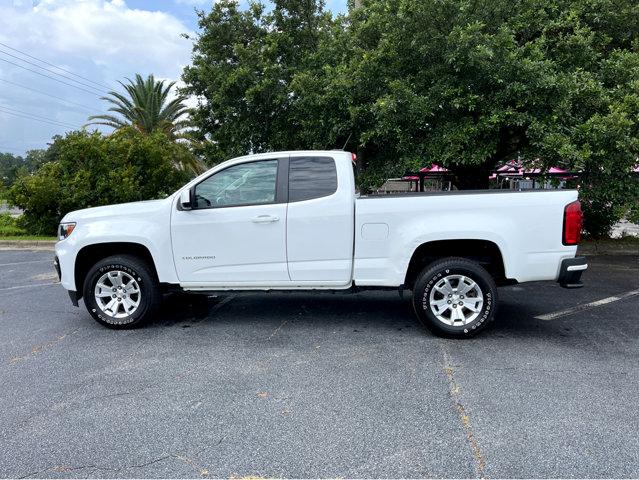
293 221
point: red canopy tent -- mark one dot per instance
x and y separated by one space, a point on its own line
433 172
509 170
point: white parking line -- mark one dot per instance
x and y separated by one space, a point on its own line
29 286
586 306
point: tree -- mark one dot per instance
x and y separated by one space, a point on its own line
147 107
34 159
256 73
89 169
463 83
10 165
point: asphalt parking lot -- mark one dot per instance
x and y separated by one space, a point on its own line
325 385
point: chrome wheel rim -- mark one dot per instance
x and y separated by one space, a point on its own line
456 300
117 294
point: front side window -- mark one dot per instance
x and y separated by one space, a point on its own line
311 177
253 183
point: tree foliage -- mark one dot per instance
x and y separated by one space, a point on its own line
147 107
462 83
84 169
261 77
11 165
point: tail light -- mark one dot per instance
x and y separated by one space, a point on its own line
573 220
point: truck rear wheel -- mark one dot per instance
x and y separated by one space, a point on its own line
455 297
121 292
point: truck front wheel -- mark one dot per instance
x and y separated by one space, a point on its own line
121 291
455 297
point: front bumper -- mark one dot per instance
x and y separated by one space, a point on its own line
73 295
65 258
570 272
56 264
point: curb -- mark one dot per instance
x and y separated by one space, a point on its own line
47 245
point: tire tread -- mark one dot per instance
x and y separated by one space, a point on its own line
431 269
153 297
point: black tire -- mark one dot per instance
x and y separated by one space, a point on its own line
433 275
149 296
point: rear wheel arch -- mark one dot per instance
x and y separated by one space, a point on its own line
484 252
91 254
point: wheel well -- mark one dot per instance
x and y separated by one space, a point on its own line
89 255
484 252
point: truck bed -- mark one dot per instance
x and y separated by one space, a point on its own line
388 229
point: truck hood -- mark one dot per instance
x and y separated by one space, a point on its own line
147 206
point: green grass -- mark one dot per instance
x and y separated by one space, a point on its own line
9 230
26 238
9 227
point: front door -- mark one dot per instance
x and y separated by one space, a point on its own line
235 234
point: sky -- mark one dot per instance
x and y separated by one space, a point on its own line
93 44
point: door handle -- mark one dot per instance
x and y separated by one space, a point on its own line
265 219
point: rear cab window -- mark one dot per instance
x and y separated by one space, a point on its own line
311 177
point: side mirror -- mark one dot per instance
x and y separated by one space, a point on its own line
185 199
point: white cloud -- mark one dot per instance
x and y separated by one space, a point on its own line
99 39
107 33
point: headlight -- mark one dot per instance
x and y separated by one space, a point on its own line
65 230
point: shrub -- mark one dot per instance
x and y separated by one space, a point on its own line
89 169
9 226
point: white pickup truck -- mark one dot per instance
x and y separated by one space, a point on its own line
293 221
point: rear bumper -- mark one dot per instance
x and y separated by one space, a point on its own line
570 272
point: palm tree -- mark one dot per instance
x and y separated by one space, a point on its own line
148 110
147 107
